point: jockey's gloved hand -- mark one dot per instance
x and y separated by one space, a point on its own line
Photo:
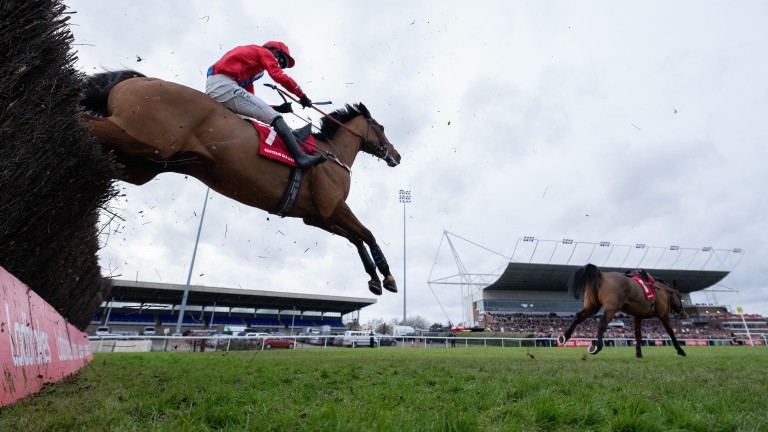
305 102
283 108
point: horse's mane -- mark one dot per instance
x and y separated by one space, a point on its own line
328 128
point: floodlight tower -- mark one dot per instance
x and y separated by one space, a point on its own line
405 198
183 307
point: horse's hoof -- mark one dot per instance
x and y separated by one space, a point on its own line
593 349
638 355
561 339
390 284
375 287
681 353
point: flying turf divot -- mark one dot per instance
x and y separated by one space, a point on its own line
37 345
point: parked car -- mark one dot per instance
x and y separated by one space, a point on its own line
149 331
385 340
356 338
257 335
433 337
270 343
102 331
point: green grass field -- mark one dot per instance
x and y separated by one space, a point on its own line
390 389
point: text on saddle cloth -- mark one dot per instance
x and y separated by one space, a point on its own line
645 285
273 147
644 279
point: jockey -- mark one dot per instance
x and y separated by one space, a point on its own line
230 81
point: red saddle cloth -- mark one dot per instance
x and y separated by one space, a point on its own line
647 288
273 147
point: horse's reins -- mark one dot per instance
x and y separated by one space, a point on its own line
326 153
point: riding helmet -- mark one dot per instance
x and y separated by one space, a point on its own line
282 49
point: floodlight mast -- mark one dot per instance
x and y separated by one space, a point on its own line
183 307
405 198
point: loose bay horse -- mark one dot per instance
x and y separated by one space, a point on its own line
155 126
618 292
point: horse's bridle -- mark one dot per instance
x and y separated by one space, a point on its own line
676 293
382 147
682 313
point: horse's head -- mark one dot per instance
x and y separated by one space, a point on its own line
675 299
372 138
380 147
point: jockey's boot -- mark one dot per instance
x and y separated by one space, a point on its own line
302 159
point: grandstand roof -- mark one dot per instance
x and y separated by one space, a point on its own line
554 277
152 292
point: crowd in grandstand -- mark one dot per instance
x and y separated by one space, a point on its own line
553 325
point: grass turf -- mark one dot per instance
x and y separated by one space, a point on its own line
463 389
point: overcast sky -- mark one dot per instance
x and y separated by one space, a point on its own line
637 122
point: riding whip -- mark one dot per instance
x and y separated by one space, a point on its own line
283 94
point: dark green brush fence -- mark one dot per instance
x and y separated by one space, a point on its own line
54 178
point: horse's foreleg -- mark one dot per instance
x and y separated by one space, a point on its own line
638 323
668 327
607 317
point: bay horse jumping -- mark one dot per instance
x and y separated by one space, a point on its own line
155 126
618 292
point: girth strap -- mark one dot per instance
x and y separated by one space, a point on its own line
291 192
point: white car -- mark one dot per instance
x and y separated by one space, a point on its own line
102 331
257 335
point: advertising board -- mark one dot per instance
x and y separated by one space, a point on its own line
37 345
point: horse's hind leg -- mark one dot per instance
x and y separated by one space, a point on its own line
668 327
117 138
132 154
381 262
638 323
374 284
581 315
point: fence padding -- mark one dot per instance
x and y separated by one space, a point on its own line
37 345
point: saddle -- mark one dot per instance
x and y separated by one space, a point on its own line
302 133
644 279
642 274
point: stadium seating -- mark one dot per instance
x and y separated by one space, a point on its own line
173 319
298 322
131 318
336 323
264 322
226 321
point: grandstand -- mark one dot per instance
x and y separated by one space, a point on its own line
533 280
134 305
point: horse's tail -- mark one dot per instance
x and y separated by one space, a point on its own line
98 86
584 276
